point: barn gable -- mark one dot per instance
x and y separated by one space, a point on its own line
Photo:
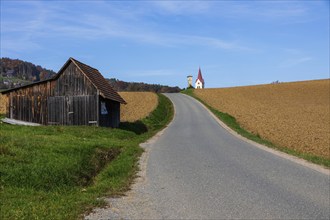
94 77
77 95
70 81
106 91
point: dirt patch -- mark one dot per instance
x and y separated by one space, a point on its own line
139 105
100 158
294 115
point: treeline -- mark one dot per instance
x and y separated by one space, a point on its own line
15 72
121 86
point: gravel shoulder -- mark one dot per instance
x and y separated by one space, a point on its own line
136 204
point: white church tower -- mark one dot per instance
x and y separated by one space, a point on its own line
189 79
199 84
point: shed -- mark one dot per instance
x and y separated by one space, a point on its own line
77 95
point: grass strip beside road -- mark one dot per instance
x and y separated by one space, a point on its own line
231 122
60 172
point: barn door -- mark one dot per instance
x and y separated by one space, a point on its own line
69 110
72 110
56 109
60 110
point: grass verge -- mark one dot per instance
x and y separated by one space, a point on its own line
59 172
231 122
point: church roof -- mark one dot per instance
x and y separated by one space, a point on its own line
200 77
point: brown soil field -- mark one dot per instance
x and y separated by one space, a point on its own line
293 115
3 104
139 105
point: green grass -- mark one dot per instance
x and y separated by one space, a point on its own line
59 172
231 122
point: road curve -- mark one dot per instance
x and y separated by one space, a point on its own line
198 170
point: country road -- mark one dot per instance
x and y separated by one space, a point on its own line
198 170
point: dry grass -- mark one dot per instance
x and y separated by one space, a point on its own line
3 104
293 115
139 105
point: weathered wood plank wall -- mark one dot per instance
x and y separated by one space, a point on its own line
69 100
29 103
72 83
72 110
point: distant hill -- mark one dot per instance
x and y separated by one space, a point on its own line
121 86
15 73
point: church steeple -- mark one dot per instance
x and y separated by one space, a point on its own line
199 84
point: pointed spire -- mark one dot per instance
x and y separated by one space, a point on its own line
200 77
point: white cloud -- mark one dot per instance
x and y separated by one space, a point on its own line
294 61
255 10
182 7
62 23
152 73
277 9
19 44
212 42
123 21
294 57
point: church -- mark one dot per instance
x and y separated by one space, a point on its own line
199 84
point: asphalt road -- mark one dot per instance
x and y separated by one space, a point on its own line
198 170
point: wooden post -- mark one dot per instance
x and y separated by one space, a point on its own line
98 108
11 105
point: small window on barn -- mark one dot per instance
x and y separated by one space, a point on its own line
104 110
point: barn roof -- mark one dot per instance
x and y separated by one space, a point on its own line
106 91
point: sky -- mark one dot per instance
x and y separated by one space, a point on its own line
235 43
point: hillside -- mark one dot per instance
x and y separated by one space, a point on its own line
293 115
15 72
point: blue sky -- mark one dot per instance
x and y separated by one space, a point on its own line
234 42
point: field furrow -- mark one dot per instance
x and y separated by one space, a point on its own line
293 115
139 105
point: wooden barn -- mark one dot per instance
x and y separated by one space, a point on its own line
77 95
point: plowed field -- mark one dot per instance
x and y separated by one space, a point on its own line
3 103
294 115
139 105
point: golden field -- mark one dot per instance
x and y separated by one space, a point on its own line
139 105
3 104
294 115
